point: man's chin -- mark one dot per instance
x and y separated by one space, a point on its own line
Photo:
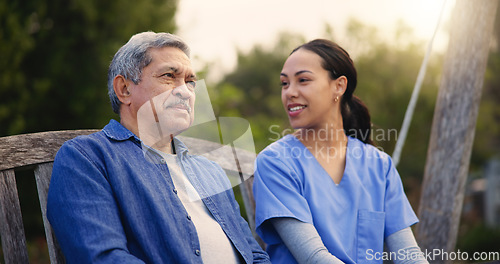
177 128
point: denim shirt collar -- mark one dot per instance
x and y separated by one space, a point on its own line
116 131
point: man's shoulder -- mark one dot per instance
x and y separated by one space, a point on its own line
113 131
86 145
83 140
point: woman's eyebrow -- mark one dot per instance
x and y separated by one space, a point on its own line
297 73
303 71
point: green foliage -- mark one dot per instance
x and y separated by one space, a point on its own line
55 56
252 90
480 239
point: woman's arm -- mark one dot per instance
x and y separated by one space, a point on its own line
303 241
404 245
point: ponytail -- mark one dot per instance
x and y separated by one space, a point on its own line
356 119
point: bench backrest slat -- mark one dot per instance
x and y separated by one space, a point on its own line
43 172
11 227
30 149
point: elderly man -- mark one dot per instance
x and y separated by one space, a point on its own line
132 193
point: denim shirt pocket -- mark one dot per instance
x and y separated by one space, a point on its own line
370 236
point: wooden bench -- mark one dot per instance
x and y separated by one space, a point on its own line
37 151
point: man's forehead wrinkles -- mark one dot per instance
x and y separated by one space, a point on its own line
169 60
175 67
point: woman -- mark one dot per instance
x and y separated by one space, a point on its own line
324 194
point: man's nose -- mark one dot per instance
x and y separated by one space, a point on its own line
182 91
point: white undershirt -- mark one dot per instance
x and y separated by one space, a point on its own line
215 245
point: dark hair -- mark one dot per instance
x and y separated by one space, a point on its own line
337 62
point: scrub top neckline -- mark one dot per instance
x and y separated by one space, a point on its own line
347 152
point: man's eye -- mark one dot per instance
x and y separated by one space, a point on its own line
168 74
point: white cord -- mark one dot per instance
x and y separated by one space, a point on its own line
396 156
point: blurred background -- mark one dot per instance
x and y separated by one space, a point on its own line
54 56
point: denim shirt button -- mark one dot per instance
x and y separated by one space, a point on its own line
197 252
162 161
189 217
175 190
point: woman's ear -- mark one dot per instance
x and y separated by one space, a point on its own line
340 85
122 90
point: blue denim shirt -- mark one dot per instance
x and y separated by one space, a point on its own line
111 202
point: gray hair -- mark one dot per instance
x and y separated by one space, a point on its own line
132 57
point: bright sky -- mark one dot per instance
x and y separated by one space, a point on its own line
216 29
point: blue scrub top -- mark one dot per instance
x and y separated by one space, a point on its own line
352 218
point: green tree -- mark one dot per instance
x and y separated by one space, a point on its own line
55 56
252 90
53 72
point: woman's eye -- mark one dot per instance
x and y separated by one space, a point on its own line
283 83
303 80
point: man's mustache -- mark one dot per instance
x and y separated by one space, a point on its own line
178 102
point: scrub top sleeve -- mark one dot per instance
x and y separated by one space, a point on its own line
399 213
278 193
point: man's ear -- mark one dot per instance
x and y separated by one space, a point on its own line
122 90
